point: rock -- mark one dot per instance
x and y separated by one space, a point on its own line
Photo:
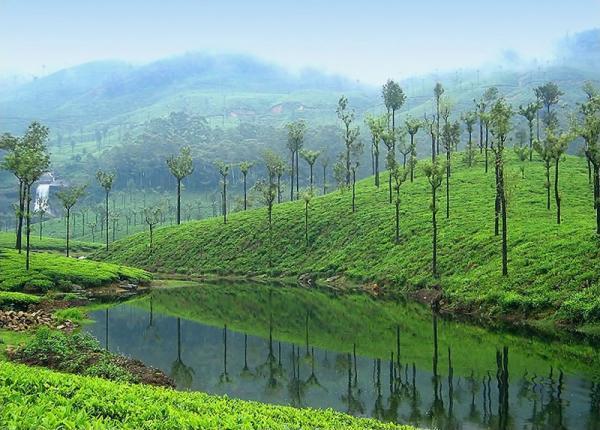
306 280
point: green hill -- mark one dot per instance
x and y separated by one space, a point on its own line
553 269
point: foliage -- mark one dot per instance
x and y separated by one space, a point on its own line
38 398
544 274
15 299
51 271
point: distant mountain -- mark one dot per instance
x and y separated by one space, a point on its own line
109 91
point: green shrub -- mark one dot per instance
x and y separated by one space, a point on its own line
10 299
40 399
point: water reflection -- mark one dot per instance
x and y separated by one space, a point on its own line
417 381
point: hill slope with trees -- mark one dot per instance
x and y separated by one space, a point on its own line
552 269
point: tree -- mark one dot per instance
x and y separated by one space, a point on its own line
529 112
324 164
276 167
296 131
558 144
450 138
393 98
389 138
353 169
152 216
27 159
430 123
180 166
589 129
470 118
307 196
68 198
399 178
549 95
412 127
311 158
223 171
523 153
376 125
544 149
268 192
106 179
245 167
500 116
435 175
438 91
350 134
41 207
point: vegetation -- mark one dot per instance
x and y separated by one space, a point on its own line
180 166
37 398
51 271
553 279
68 198
11 299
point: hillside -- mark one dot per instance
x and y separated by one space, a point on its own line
553 270
39 398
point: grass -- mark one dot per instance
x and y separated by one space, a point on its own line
7 240
42 399
49 271
553 269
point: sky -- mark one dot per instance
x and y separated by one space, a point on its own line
367 40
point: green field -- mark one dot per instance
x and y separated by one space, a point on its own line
49 271
36 398
553 269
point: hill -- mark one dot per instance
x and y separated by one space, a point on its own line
553 269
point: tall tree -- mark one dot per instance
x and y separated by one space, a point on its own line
353 169
431 124
69 197
106 179
438 91
529 112
377 126
324 164
27 159
152 216
500 116
350 135
450 138
435 175
268 192
412 127
245 167
393 98
296 131
549 95
311 158
544 149
307 196
558 143
470 118
589 129
223 171
399 175
180 166
389 137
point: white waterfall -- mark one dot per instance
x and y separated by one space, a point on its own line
42 193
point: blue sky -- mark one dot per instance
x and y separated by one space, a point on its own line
367 40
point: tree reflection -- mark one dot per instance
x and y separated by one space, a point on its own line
182 374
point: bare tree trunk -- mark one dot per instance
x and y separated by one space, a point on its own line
547 165
68 229
292 178
245 193
178 201
556 193
19 241
448 184
224 200
397 222
434 223
487 135
297 176
106 215
28 226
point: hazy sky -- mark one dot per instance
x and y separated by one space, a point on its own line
368 40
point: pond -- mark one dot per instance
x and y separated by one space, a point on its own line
391 361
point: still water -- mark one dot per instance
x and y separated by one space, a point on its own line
392 361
